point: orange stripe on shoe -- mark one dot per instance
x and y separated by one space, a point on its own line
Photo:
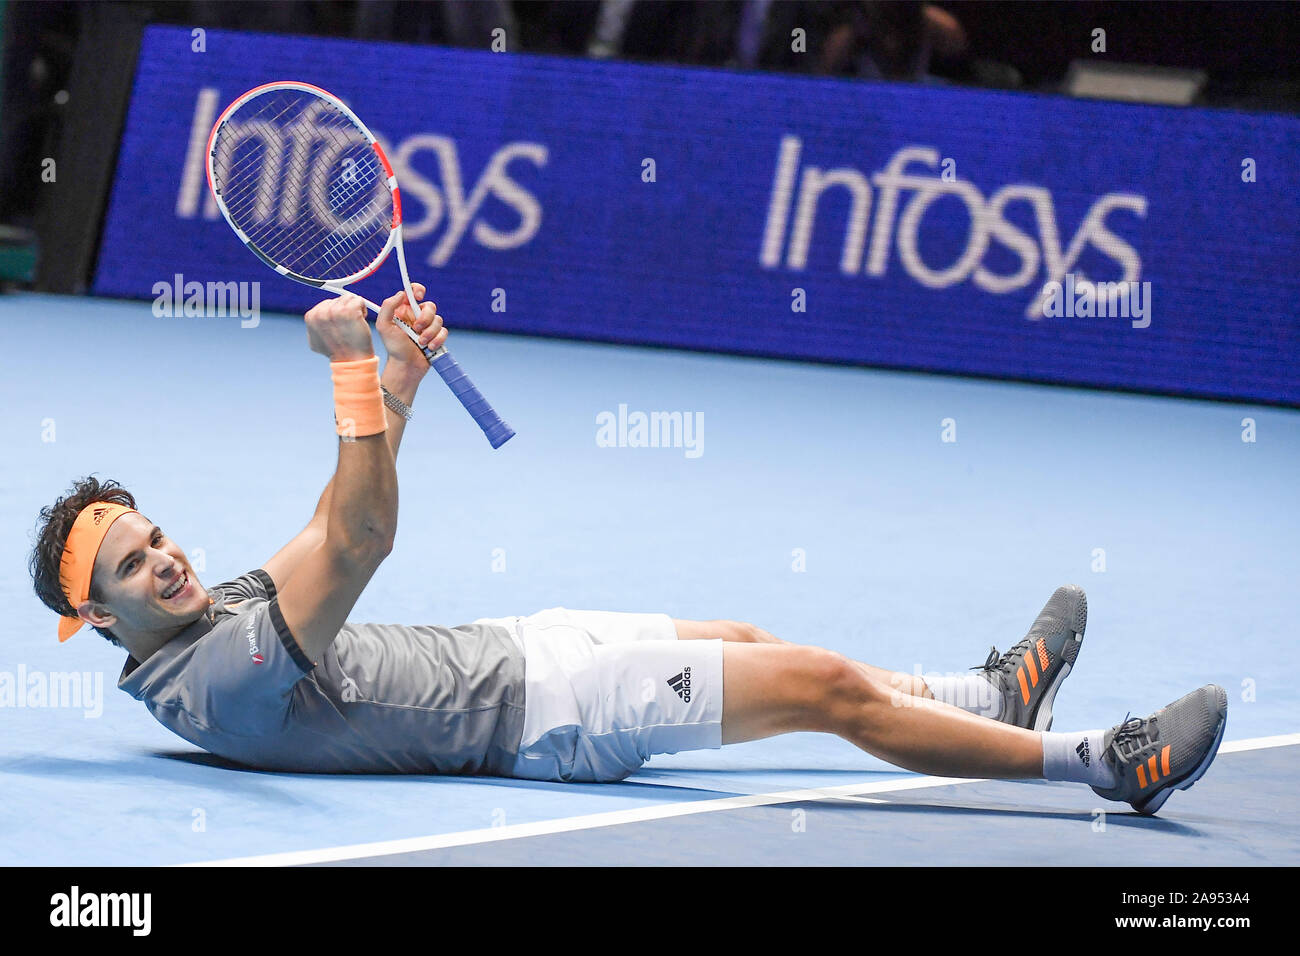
1151 765
1024 688
1164 760
1033 673
1042 653
1142 777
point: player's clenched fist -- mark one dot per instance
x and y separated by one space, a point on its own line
427 326
338 328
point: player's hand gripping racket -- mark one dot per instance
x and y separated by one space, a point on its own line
306 186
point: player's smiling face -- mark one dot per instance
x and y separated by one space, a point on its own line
146 579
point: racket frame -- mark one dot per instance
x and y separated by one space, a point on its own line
440 359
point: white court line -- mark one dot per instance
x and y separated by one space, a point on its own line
658 812
587 822
1258 743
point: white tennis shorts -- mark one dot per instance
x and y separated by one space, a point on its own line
606 691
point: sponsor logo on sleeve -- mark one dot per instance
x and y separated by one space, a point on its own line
254 651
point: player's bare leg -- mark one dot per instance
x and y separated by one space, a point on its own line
742 633
783 688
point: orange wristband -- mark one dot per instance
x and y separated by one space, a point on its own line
358 403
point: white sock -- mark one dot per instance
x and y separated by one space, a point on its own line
1076 757
972 693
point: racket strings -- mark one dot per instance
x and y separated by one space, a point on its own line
312 244
293 232
321 241
303 183
346 190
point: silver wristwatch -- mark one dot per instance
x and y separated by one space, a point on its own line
396 404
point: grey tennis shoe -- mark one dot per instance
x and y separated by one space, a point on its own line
1030 673
1170 750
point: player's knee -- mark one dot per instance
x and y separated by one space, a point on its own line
751 633
833 681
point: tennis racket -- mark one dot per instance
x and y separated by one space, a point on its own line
308 189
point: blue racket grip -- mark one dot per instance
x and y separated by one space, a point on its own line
497 431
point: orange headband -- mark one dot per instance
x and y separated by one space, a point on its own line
79 554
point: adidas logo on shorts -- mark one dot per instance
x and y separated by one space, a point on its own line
681 684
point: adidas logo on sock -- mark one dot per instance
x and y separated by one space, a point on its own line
681 684
1084 753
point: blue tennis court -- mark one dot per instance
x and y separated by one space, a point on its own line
819 502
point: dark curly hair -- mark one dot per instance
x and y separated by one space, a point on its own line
54 524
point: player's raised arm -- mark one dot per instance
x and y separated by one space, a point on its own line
316 600
405 369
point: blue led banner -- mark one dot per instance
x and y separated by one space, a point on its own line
984 233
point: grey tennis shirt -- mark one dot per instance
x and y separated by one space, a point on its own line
385 698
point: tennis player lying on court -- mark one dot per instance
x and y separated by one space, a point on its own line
267 671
